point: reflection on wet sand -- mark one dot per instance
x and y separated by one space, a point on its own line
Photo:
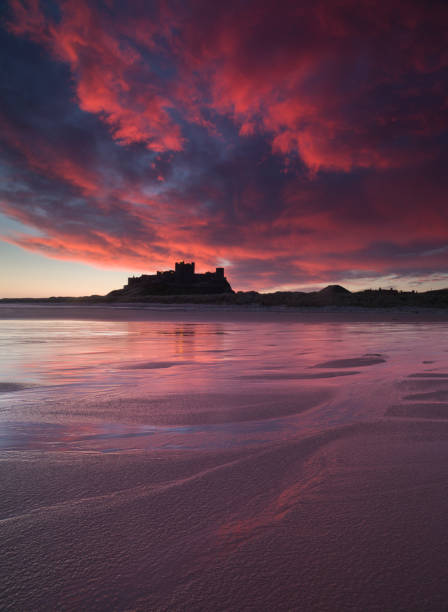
94 374
274 465
200 420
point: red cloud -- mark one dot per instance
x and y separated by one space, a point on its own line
343 88
49 160
303 74
111 78
307 75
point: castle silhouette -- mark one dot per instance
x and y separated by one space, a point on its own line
182 280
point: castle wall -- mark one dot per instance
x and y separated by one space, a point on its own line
180 280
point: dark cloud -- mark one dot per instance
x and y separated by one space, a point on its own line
303 140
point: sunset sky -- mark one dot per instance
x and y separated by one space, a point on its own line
297 144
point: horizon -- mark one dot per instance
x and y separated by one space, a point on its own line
305 289
274 141
103 280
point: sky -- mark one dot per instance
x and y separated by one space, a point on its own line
297 144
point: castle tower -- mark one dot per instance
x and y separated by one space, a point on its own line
184 272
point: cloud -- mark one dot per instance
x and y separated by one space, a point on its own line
295 140
111 78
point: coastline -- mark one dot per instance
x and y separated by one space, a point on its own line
214 312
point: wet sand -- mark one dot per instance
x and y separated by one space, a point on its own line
189 485
353 519
8 387
200 313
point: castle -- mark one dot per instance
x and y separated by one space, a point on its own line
182 280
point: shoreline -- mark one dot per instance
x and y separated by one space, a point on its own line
215 312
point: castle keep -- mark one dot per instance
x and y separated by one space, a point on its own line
182 280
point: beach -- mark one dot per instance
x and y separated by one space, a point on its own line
174 458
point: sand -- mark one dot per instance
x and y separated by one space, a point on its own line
164 467
194 312
9 387
357 362
354 519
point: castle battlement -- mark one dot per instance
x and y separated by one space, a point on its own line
182 280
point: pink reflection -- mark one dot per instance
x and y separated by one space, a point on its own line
176 384
160 465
